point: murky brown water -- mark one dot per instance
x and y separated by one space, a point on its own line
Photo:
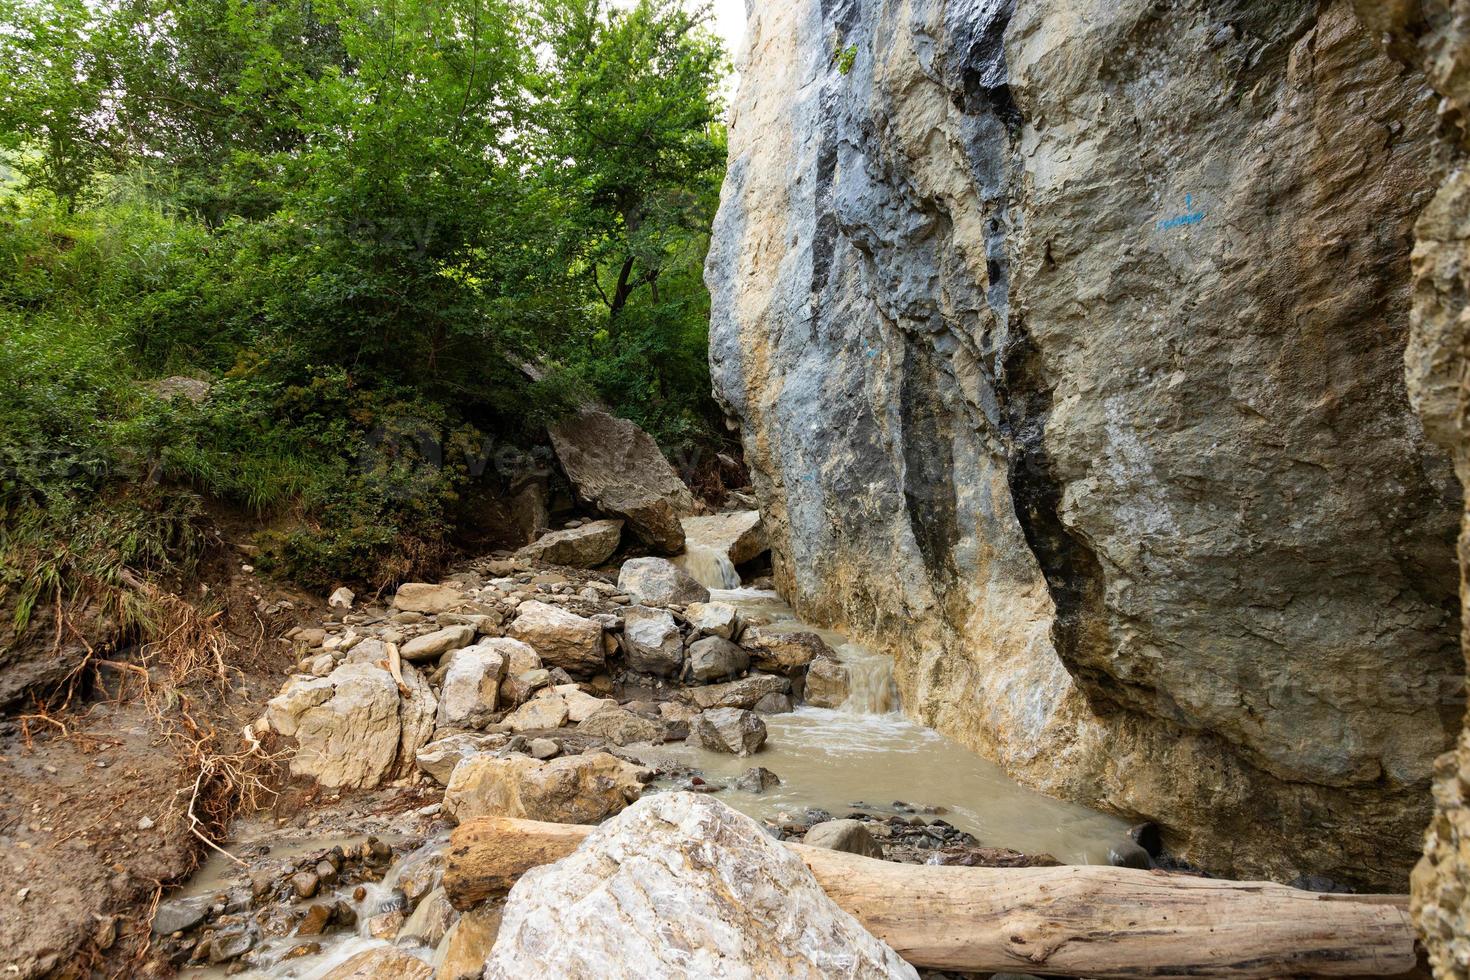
868 752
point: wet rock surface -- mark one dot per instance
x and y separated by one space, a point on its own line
730 902
1003 340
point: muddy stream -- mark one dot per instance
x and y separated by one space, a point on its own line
865 756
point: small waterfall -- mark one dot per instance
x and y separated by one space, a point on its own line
871 689
710 567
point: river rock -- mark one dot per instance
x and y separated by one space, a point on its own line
617 467
516 688
431 919
652 642
580 704
181 914
573 789
420 597
621 727
714 658
347 725
843 835
586 546
659 582
713 619
381 963
756 779
462 954
1033 434
545 711
730 730
743 693
680 885
739 535
826 685
773 704
437 643
784 651
471 689
562 639
439 757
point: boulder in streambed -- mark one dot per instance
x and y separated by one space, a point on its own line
381 963
621 727
713 619
659 582
733 731
437 643
421 597
714 658
844 835
652 642
353 728
680 885
573 789
438 758
784 651
562 639
744 693
585 546
827 683
618 468
471 687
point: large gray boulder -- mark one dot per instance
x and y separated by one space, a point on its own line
715 658
679 886
744 693
652 641
586 546
1087 398
659 582
617 467
733 731
843 835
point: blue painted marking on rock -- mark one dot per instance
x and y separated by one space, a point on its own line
1188 218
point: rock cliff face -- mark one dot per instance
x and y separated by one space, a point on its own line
1433 37
1066 338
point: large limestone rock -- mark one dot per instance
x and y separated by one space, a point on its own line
580 547
574 789
676 886
738 534
352 728
1065 341
658 582
827 684
743 693
617 467
381 963
652 641
1433 39
439 642
714 658
733 731
421 597
471 689
561 639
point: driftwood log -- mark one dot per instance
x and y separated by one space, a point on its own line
1076 920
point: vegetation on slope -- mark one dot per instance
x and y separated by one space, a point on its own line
396 238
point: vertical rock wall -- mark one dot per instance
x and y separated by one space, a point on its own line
1434 38
1066 340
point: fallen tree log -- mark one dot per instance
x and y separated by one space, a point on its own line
1076 920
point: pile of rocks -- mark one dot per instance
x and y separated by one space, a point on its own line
511 664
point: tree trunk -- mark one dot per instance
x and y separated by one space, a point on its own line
1078 920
